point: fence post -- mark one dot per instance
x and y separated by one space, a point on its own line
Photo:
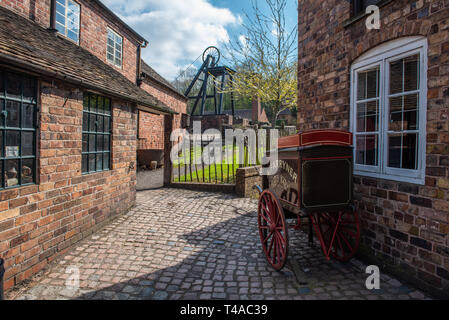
168 166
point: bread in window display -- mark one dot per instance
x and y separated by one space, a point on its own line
27 174
11 177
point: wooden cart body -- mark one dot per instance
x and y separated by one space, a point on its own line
314 181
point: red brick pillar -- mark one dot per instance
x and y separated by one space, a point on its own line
168 128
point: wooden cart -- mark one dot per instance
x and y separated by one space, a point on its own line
313 182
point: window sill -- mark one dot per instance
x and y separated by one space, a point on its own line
18 187
119 68
362 15
417 181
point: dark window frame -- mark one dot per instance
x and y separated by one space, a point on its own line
87 152
4 99
359 6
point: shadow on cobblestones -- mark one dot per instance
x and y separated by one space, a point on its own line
179 244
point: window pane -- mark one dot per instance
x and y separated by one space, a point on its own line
11 173
72 35
2 116
118 62
12 148
367 116
60 19
403 151
12 119
107 124
91 142
368 84
100 104
85 122
366 150
92 121
28 116
107 146
411 67
106 164
404 113
99 142
13 85
1 147
86 102
60 28
29 89
85 163
100 123
396 113
99 161
107 105
85 142
28 171
27 144
411 112
410 151
60 8
92 162
2 88
396 76
93 103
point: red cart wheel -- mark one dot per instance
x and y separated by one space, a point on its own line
347 236
273 230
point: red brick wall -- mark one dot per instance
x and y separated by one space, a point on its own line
38 223
151 127
93 34
405 225
36 10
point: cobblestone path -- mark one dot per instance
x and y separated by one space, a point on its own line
178 244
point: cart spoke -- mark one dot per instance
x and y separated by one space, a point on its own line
268 237
345 240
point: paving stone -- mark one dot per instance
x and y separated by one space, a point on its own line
180 244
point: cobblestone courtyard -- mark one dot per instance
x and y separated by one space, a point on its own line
179 244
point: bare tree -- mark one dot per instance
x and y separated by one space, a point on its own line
265 58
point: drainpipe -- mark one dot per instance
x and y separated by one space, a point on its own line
139 61
53 16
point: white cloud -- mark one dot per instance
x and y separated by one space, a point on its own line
177 30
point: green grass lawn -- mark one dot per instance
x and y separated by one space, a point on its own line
215 173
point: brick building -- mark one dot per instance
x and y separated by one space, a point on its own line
390 87
69 104
151 127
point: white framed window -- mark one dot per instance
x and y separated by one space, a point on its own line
388 111
114 50
68 19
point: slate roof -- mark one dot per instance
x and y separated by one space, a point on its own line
152 74
27 45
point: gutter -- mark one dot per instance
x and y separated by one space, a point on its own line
44 71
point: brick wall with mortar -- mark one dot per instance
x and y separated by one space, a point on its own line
93 31
245 180
151 127
40 222
405 226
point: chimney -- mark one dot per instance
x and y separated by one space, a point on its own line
256 109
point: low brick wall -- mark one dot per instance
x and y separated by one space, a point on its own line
224 188
246 179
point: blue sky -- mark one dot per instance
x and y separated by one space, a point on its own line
180 30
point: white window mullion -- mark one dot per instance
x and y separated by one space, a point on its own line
385 57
